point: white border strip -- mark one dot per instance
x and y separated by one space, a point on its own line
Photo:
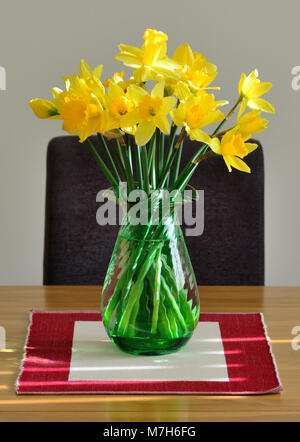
271 351
24 351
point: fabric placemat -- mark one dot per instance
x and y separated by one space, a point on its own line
69 352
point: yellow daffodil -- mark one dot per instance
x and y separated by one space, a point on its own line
151 111
195 112
43 108
81 111
250 89
118 78
251 123
119 106
80 115
194 69
86 71
151 59
88 77
233 147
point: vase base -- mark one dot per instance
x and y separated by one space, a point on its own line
148 346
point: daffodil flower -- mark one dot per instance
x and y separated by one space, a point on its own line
195 112
88 78
251 123
79 108
44 108
118 78
119 106
250 89
151 111
233 147
194 69
151 59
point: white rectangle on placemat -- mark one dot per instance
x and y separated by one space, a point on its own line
95 358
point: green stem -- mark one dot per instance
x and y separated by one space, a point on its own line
164 323
145 169
102 165
131 326
109 157
166 170
153 161
162 153
157 154
128 146
171 141
173 303
171 153
139 166
119 162
125 161
151 151
156 293
136 292
177 162
181 184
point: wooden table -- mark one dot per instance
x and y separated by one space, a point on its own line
280 305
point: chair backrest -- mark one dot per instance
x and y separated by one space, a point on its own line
77 250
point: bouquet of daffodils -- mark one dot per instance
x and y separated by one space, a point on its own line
150 301
124 110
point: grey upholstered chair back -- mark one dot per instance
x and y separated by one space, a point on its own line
77 250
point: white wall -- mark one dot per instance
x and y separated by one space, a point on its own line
41 40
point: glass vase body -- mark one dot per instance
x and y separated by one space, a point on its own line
150 302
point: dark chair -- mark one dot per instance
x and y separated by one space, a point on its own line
77 250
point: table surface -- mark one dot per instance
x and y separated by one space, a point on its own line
280 305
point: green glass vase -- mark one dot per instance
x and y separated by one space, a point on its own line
150 302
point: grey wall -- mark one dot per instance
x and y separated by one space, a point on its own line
41 40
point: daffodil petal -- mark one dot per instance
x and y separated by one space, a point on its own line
114 91
143 74
227 162
178 115
43 108
84 69
128 60
239 164
184 55
56 91
261 104
241 82
144 132
200 135
136 93
131 119
213 117
88 130
131 50
162 123
260 89
98 71
182 91
215 145
158 90
251 147
168 104
242 107
167 68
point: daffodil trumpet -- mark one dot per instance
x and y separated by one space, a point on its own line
141 124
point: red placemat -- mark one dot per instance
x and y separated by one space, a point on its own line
68 352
